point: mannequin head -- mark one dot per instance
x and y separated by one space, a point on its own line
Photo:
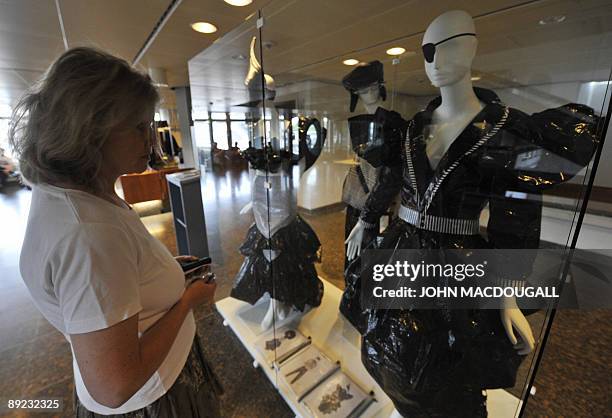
452 59
370 95
366 82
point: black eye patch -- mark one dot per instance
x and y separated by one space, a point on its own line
429 49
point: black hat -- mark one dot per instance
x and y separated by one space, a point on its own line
362 76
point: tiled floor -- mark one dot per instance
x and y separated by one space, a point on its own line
35 361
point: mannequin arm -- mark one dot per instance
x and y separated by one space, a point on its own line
246 208
354 240
513 319
387 187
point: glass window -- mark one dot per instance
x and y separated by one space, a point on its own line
218 115
240 134
203 144
202 134
515 167
4 127
199 113
295 128
220 134
236 115
5 111
5 114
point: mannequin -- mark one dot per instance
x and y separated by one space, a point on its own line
450 71
372 99
280 249
269 261
372 136
465 151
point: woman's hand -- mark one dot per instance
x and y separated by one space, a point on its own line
185 258
200 293
115 362
512 318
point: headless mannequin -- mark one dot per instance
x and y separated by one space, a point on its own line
371 99
276 309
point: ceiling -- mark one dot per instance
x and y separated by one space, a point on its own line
307 41
31 37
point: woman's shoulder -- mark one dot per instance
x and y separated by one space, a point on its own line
61 217
75 206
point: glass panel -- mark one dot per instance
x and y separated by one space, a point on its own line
236 196
561 343
478 141
240 135
218 115
5 114
236 115
488 165
4 127
220 134
5 111
203 143
200 113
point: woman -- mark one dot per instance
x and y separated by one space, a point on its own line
90 265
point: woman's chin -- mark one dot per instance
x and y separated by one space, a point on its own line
139 168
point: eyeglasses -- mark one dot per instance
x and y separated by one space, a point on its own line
145 127
429 49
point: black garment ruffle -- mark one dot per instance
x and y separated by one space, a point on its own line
291 277
425 359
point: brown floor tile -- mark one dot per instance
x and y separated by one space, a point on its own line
35 360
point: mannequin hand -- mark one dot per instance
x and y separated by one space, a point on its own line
512 318
353 242
246 208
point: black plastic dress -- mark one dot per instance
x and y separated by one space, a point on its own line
375 139
280 247
436 362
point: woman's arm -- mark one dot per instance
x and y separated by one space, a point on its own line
115 363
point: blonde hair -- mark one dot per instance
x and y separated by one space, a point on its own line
59 127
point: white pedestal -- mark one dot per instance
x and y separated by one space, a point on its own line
333 335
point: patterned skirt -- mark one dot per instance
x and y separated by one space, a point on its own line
194 394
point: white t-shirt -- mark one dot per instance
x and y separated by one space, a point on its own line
88 265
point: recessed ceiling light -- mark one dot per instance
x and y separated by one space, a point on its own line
203 27
475 78
552 20
397 50
350 61
238 3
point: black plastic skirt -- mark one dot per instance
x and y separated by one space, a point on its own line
417 355
291 277
399 235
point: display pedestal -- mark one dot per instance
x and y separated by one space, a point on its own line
335 337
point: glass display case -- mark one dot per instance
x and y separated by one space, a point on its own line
402 126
